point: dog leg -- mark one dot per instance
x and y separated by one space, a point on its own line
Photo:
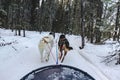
47 54
41 53
47 57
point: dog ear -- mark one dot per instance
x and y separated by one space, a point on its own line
62 36
52 33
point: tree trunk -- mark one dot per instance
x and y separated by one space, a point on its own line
23 32
82 25
116 36
19 32
118 21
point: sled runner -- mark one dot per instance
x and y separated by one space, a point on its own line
57 72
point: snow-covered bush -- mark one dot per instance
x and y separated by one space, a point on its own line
113 56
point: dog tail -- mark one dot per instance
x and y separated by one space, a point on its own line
70 48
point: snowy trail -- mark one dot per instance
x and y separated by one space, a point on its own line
17 63
102 75
96 69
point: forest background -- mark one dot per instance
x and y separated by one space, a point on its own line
95 20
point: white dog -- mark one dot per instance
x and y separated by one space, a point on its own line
45 47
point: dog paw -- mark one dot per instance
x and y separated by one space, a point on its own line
46 60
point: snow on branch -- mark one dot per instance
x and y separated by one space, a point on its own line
113 56
7 43
4 43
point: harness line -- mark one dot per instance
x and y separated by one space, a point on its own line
56 53
52 53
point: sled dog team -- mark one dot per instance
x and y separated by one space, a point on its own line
46 44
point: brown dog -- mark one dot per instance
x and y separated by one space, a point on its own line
65 47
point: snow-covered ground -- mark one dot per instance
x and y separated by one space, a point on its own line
21 55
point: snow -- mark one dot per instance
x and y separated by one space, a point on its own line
22 56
